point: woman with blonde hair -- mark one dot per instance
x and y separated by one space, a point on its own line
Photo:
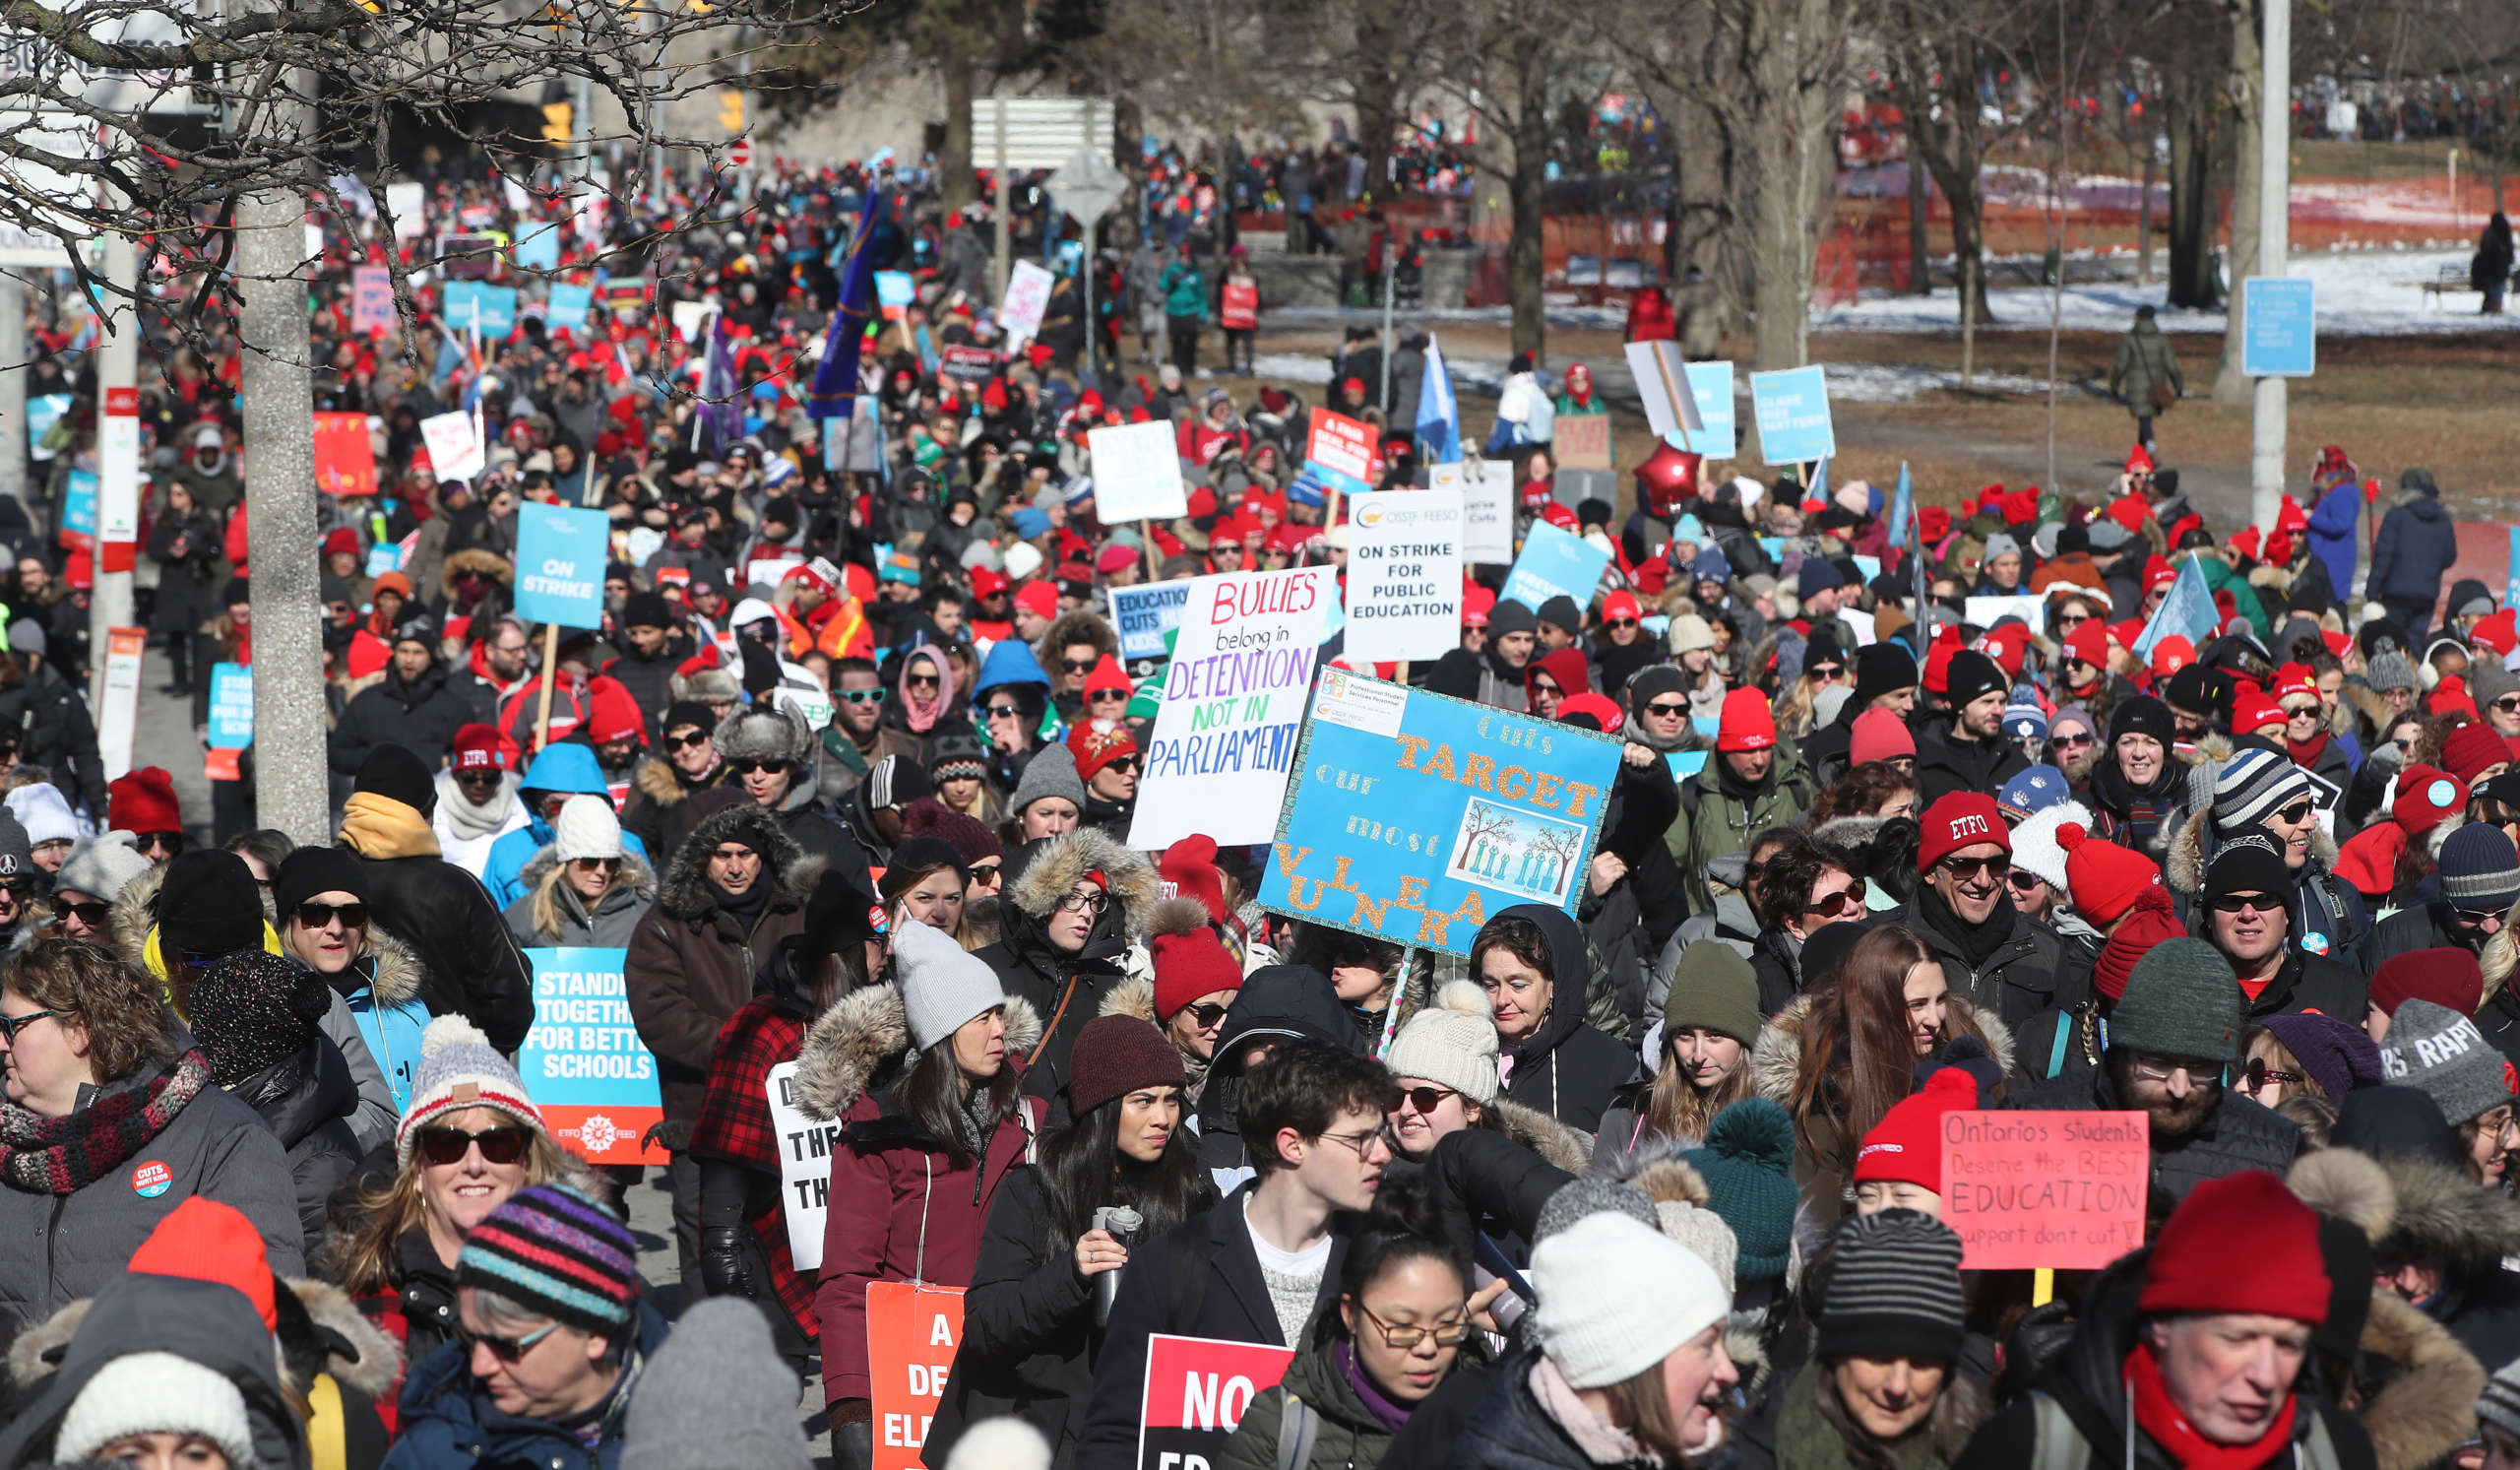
587 888
1710 1026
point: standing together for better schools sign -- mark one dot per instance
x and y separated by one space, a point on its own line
2061 1191
1792 413
1404 575
1557 560
1197 1390
1415 817
1142 616
912 1330
1231 706
559 564
583 1062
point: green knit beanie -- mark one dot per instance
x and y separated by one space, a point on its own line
1713 986
1747 1164
2181 1001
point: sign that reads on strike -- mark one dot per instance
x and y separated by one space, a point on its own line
1196 1393
2063 1190
1404 575
911 1334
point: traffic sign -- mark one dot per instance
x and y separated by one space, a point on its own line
1087 185
2279 336
739 152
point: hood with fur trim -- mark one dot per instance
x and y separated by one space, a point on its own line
2443 1217
1776 1058
1064 858
864 1039
655 779
684 893
472 559
1080 626
2183 858
357 1352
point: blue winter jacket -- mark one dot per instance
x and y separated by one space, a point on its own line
450 1423
563 767
2332 539
2417 543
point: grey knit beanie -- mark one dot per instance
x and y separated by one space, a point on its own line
1593 1195
2181 1001
715 1397
2391 670
1050 772
2440 1052
102 864
2499 1404
1893 1290
1453 1043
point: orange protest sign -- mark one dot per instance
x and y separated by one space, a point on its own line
344 463
2028 1190
910 1334
1582 441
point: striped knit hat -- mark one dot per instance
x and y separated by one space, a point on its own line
1893 1289
2499 1405
460 1069
551 1249
2253 785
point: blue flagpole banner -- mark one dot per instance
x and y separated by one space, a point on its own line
2187 611
833 387
1438 425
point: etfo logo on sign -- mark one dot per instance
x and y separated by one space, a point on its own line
560 557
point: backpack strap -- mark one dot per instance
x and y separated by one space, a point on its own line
2056 1049
2059 1444
1298 1428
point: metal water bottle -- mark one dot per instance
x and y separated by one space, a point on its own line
1123 1224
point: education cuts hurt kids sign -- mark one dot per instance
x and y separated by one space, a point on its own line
1416 817
2031 1190
1197 1390
583 1062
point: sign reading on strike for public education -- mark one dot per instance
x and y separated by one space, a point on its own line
1416 817
1404 575
1486 504
559 564
1340 451
344 459
1557 560
1142 616
2061 1191
1197 1390
912 1330
1792 410
805 1147
2279 327
583 1062
1137 473
1232 706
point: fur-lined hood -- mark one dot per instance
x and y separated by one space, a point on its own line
1080 626
635 874
655 779
473 560
2183 858
400 972
1070 856
684 892
865 1035
1776 1058
358 1355
2442 1216
1565 1147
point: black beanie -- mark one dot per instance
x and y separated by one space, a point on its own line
914 857
207 905
1881 668
2249 861
308 872
1562 612
253 1011
646 609
2141 715
395 773
1511 617
688 711
2200 690
1972 676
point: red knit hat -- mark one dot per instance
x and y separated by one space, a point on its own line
1040 599
2294 679
2089 642
613 711
1096 743
1606 714
1962 819
2448 977
2426 797
478 747
2497 632
2253 710
2471 748
143 802
2196 1269
1879 734
1747 722
2105 880
202 1239
2172 654
2452 694
1189 871
2008 646
1188 966
1109 674
2132 940
1906 1146
1937 674
1116 1056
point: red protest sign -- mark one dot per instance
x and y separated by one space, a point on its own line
2028 1190
1342 445
344 463
970 366
1240 309
1196 1392
911 1334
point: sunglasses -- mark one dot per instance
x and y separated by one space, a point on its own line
1102 694
2257 1073
747 767
1126 765
10 1026
2255 902
510 1349
1622 622
1998 867
2296 814
2070 741
1207 1013
1849 898
590 864
691 741
2072 620
169 843
1427 1098
1667 710
861 696
93 915
1825 670
2024 879
2507 703
1004 712
1072 667
2312 711
2474 917
504 1145
317 916
921 681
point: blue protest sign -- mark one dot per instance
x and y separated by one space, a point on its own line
78 503
1415 817
2511 576
569 306
1711 384
894 291
43 411
583 1062
1557 560
559 564
382 557
2279 336
537 247
2187 611
231 706
471 304
1792 409
1142 616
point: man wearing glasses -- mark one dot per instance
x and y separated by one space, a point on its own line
2247 897
1992 953
857 737
2259 788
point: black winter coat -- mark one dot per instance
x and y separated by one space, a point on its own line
1945 765
1567 1069
54 731
2239 1136
1277 1003
649 680
472 963
1028 1328
2415 926
2032 972
1510 1430
2417 544
186 546
420 715
309 1099
2313 981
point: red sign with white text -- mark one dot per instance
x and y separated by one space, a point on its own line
910 1334
1196 1392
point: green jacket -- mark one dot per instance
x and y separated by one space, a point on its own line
2144 359
1185 290
1805 1440
1717 816
1350 1434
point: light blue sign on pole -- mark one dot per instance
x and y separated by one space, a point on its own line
78 503
569 306
1416 819
560 557
2511 575
2278 327
1143 616
537 247
43 411
595 1083
1792 409
1557 560
894 290
2188 612
1711 384
231 706
471 304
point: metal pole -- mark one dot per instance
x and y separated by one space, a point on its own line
1093 333
2274 247
13 388
998 173
117 366
1390 273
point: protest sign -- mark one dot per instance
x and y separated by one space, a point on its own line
1196 1393
626 297
583 1061
455 450
1137 473
893 294
1142 616
1583 441
1662 383
1028 295
1554 560
1711 385
1988 611
43 411
1792 410
689 317
344 461
1416 817
410 203
382 557
2279 336
118 478
965 364
490 309
79 510
2031 1190
568 305
231 706
560 557
372 300
1340 451
805 1147
2188 612
1486 507
2511 572
538 246
912 1330
1404 575
1231 702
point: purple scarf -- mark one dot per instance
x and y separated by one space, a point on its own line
1392 1415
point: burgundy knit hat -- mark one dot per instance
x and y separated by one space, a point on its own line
970 838
2448 977
1115 1056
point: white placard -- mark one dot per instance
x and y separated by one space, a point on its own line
1985 611
1028 297
1137 474
1231 706
1486 507
455 450
1661 381
805 1148
1370 705
689 317
410 203
119 721
1861 621
1404 575
118 468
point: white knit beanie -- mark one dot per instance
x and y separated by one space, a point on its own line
2034 842
41 809
1617 1297
1023 559
586 828
1452 1042
153 1393
943 985
458 1069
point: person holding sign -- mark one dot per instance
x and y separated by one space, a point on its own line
1884 1385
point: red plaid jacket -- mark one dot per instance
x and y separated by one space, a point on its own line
735 1125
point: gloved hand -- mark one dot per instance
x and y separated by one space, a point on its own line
2037 1339
725 1268
852 1444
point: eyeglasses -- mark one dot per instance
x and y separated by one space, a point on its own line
861 696
2072 740
1998 866
2072 620
2474 917
1126 765
2256 903
1622 622
1072 667
2258 1074
2296 813
94 916
691 741
1850 896
590 864
510 1349
1004 712
2152 1069
1664 709
504 1145
1427 1098
747 767
1099 695
317 916
2508 703
1083 903
10 1026
1207 1014
1446 1334
169 843
1364 1143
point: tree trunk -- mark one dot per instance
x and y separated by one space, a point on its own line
2230 385
1919 213
954 162
1377 86
2188 108
1525 258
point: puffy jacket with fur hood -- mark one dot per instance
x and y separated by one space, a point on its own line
1067 990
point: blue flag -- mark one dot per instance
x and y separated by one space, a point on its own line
834 390
721 411
2187 611
1438 425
